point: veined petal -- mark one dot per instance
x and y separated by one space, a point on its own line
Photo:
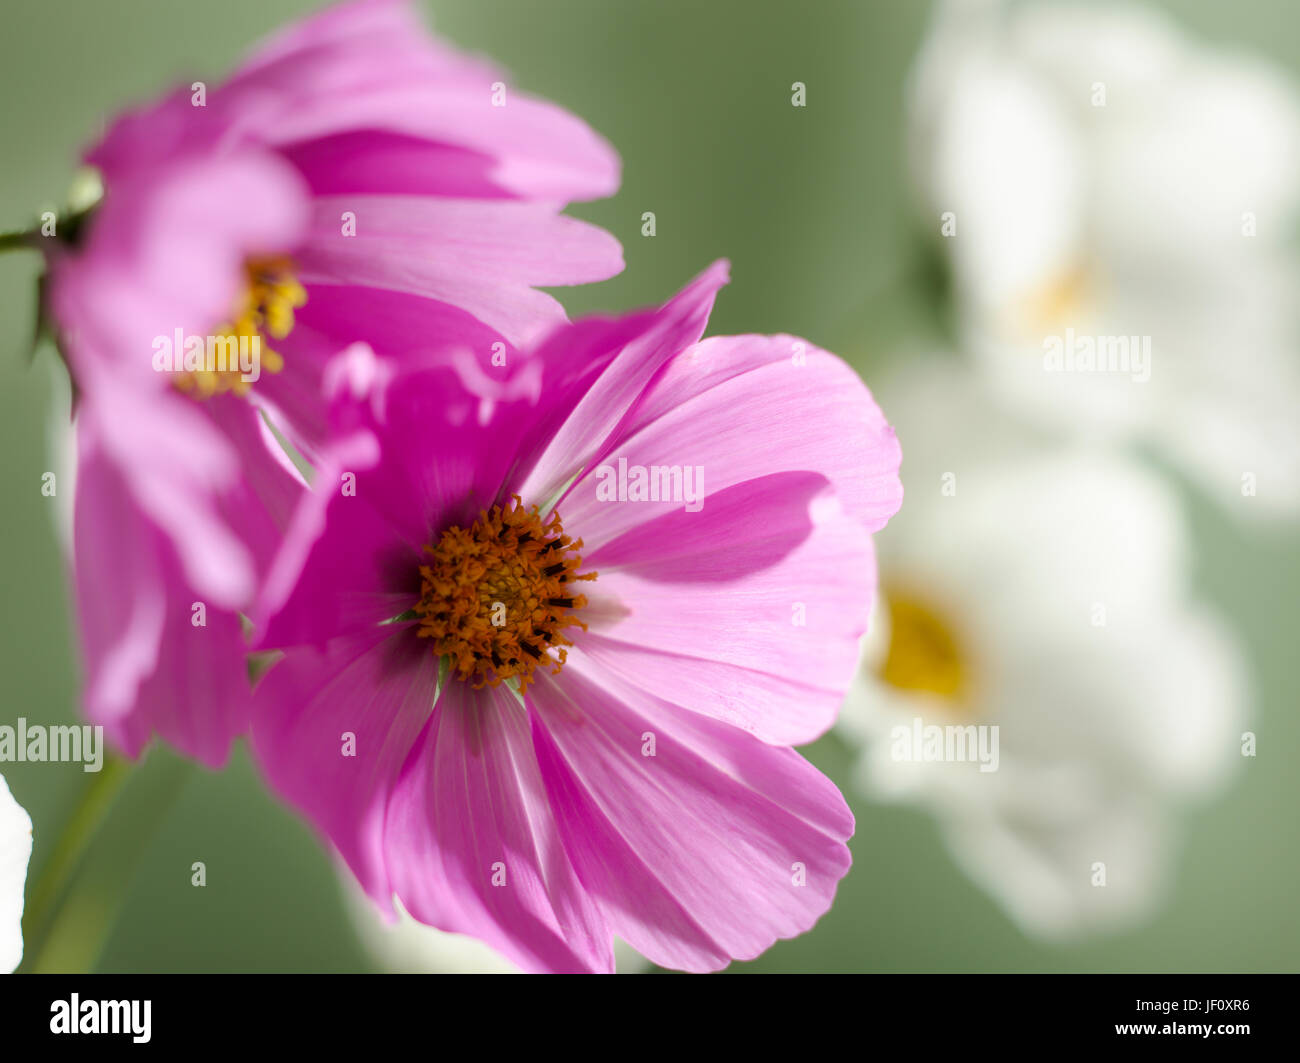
473 842
710 849
779 582
599 412
724 406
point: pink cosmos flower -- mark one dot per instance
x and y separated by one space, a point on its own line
549 636
352 168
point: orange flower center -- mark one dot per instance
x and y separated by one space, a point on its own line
496 596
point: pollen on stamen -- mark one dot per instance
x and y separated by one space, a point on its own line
496 597
265 312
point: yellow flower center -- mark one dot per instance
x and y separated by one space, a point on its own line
923 652
263 312
1061 301
497 596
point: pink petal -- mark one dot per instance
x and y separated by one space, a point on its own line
473 845
484 256
175 466
368 161
707 851
442 463
368 572
120 590
371 66
404 328
149 668
541 151
607 402
725 405
748 611
258 508
166 250
198 697
378 687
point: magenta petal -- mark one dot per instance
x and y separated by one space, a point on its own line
473 845
401 327
397 325
442 462
485 256
368 161
370 572
749 611
176 466
120 588
258 508
197 698
378 688
599 412
725 406
370 66
705 852
149 666
166 250
746 528
541 151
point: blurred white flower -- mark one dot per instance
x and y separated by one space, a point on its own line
15 851
1043 590
410 947
1099 180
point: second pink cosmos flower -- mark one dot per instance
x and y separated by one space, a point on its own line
353 168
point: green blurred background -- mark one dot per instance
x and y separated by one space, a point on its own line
810 206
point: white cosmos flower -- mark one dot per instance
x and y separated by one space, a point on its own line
1043 590
15 851
1108 175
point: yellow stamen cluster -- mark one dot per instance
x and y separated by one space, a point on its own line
265 310
923 651
496 596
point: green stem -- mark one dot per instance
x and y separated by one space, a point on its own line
75 902
16 241
92 806
89 910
